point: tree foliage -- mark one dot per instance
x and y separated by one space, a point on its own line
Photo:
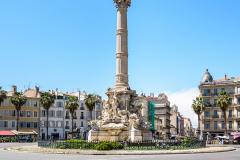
90 101
72 104
18 100
3 95
198 105
47 99
223 100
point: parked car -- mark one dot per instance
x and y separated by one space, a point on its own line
25 139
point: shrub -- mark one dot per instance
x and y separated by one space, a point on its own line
189 142
8 139
103 146
74 144
117 145
109 146
80 144
75 141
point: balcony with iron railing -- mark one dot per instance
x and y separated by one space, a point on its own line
206 117
216 94
215 116
219 116
206 95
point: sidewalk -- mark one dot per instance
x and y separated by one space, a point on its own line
36 149
224 145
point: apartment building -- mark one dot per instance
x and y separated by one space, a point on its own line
188 129
162 111
175 121
60 120
29 115
56 117
212 121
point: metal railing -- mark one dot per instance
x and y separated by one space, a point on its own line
164 144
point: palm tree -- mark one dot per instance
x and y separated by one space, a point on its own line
223 101
72 105
3 95
47 100
198 107
18 100
90 102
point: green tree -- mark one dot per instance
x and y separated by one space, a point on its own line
3 95
198 107
72 105
223 101
47 100
18 100
90 102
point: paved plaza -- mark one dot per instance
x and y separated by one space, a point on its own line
17 155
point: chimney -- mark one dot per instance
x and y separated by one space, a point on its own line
79 94
151 94
57 92
37 90
14 88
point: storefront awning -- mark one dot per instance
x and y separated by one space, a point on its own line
6 133
24 133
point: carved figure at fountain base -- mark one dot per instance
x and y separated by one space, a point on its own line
124 117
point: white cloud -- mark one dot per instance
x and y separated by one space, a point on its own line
183 99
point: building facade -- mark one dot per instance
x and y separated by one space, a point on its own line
180 126
162 112
175 121
29 114
82 116
60 120
188 129
33 115
56 127
212 121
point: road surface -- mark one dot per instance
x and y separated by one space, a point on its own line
16 155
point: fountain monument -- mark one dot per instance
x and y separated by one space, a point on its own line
125 114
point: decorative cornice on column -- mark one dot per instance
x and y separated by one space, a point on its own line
122 3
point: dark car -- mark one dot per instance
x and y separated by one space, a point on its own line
25 139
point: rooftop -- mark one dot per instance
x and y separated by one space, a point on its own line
208 79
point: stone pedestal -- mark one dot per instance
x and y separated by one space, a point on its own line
110 135
135 135
147 135
92 136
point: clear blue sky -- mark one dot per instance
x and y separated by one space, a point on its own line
70 44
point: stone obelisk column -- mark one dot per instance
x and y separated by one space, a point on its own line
122 44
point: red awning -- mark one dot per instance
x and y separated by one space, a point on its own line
6 133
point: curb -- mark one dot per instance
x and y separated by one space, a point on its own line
117 152
219 145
